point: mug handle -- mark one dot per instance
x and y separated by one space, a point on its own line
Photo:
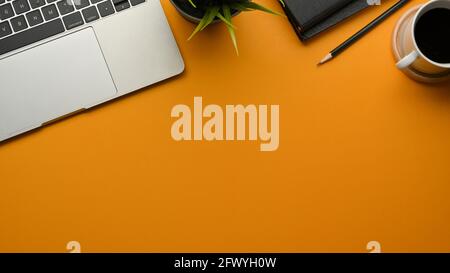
408 60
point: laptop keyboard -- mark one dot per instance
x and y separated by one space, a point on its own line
23 22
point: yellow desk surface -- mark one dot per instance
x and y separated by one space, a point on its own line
364 155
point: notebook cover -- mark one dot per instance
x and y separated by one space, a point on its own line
307 13
332 20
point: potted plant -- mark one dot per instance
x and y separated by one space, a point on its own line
206 12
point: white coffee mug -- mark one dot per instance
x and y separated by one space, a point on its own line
416 58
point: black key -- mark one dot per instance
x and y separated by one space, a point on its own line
50 1
5 30
21 6
73 20
31 35
79 4
36 3
6 11
65 6
105 8
19 23
90 14
136 2
34 18
50 12
121 4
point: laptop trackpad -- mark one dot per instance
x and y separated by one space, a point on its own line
52 80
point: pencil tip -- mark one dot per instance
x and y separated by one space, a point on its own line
325 59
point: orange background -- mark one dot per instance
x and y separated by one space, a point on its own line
364 155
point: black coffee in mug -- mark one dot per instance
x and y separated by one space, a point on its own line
432 34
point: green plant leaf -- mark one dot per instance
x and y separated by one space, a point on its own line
213 11
227 15
239 7
209 16
229 23
254 6
224 14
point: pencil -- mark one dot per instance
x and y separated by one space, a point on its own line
338 50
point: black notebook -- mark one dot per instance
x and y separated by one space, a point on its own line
311 17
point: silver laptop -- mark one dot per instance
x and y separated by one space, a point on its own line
58 57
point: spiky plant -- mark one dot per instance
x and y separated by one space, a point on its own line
222 9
